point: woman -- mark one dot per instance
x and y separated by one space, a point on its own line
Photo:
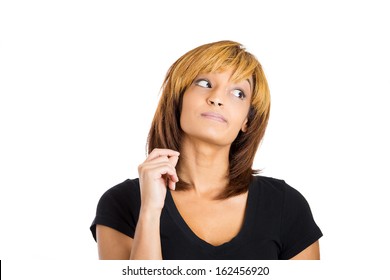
197 196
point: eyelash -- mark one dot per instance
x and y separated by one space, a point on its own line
198 83
242 94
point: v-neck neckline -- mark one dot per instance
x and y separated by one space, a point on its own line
250 209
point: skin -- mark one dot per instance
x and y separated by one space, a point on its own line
214 110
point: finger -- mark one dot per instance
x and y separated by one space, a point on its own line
161 170
173 160
160 159
162 152
161 167
172 185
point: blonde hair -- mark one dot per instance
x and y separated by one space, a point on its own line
165 131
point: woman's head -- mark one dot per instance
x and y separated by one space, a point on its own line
166 131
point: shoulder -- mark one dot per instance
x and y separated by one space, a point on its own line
278 190
127 186
127 191
118 208
272 185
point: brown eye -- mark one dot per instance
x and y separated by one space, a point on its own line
239 93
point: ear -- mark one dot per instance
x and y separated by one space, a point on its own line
244 126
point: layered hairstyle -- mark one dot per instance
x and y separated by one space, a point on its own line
165 131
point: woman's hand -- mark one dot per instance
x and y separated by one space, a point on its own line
157 173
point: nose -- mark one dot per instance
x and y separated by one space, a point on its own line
216 103
215 98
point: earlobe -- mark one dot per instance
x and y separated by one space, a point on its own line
244 126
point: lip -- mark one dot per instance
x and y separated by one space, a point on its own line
214 116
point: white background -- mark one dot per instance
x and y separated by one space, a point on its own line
80 80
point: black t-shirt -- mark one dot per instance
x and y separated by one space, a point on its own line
278 223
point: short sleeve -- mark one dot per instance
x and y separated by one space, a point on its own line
298 228
118 208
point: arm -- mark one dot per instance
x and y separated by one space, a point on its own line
154 174
114 245
147 243
310 253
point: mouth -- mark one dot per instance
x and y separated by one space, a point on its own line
214 116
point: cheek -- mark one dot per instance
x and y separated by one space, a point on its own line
241 115
185 110
191 101
184 105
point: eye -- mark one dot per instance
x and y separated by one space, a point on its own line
203 83
239 93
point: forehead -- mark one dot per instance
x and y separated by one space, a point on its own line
229 75
234 73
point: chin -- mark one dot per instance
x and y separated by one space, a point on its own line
212 139
215 135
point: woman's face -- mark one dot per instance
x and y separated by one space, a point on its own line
215 109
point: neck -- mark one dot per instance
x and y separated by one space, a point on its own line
204 166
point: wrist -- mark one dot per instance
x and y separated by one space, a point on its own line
150 213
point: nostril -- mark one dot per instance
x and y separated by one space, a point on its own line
215 103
